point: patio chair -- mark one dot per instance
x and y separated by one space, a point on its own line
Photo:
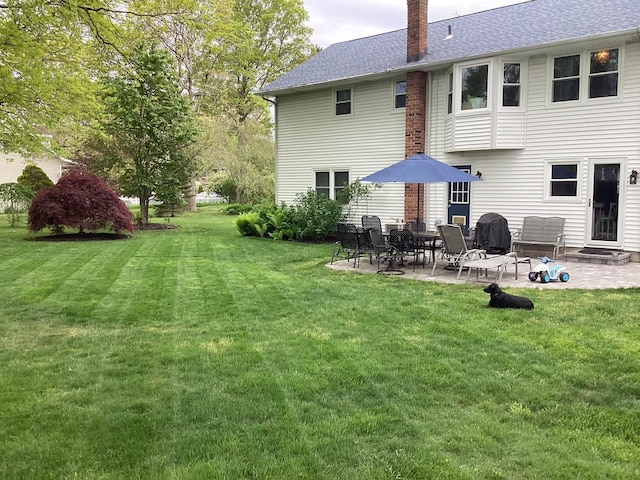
371 222
383 251
403 242
351 244
454 249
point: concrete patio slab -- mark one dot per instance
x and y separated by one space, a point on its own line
583 275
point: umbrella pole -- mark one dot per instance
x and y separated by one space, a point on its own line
418 211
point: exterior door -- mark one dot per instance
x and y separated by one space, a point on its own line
460 201
604 202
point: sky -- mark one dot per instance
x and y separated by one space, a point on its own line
335 21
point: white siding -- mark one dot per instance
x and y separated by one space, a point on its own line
12 165
514 180
310 138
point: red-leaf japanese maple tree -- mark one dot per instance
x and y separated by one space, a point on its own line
79 200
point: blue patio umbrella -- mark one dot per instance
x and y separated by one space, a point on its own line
419 168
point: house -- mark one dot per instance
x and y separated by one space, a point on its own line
541 99
12 165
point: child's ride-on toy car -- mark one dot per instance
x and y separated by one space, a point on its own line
547 272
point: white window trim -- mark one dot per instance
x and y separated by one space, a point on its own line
548 163
395 109
524 74
332 178
585 69
334 101
457 87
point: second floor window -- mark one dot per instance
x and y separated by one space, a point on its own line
474 87
511 85
603 74
566 78
343 102
450 94
597 73
401 94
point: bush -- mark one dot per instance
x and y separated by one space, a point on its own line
79 200
34 178
314 216
249 224
237 209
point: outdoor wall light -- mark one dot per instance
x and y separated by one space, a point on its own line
479 174
633 178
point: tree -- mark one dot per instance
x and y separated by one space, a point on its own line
16 198
33 177
149 123
242 158
45 72
271 38
79 200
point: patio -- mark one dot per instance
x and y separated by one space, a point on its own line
583 275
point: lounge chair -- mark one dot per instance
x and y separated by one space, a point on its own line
454 249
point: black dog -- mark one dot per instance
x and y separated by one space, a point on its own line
500 299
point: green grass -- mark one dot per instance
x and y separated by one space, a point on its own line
197 353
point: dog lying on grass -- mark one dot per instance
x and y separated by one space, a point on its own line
500 299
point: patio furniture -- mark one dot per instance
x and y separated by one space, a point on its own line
403 242
541 232
371 221
385 252
454 249
351 244
499 262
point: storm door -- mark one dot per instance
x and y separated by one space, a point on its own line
604 203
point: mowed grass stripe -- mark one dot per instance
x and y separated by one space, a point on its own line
269 365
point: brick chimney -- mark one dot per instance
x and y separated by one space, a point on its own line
417 19
416 108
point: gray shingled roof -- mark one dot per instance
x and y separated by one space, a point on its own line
524 25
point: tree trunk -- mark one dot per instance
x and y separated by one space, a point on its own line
144 211
190 197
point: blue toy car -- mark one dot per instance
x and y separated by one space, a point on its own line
548 271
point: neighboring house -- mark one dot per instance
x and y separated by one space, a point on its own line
542 98
12 165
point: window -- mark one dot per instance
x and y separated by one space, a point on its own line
325 186
564 180
603 74
401 94
511 85
566 78
343 102
602 78
474 87
450 94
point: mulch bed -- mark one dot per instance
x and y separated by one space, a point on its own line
90 236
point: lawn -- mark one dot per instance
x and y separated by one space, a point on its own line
196 353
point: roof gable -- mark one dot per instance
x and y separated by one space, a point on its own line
500 30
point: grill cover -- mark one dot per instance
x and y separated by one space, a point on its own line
492 234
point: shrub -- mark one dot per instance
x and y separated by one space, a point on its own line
237 209
314 216
34 178
79 200
249 224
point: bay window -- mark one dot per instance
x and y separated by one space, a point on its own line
474 87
